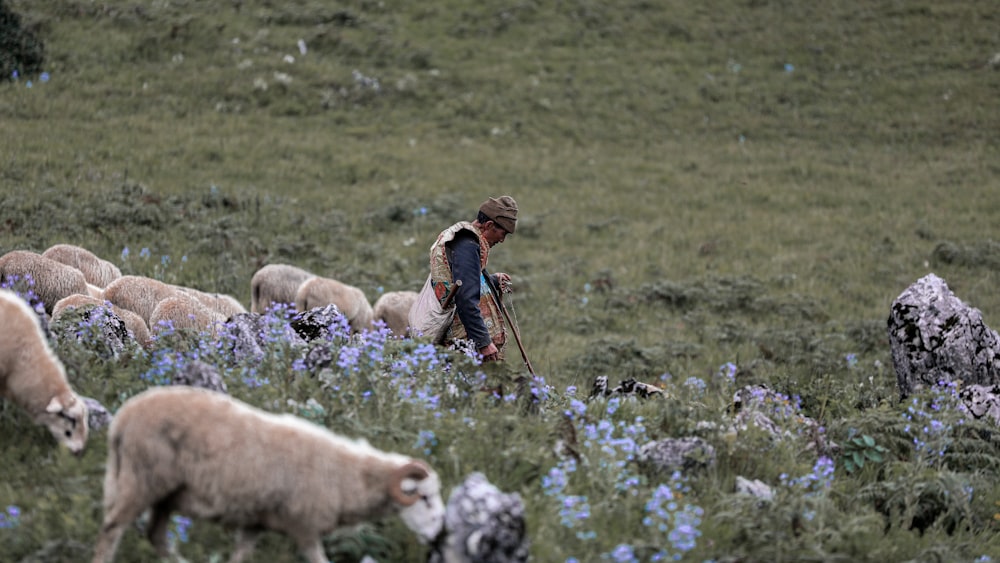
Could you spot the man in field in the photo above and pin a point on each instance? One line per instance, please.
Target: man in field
(460, 253)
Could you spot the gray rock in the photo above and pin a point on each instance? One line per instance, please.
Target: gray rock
(982, 402)
(482, 525)
(98, 328)
(755, 488)
(934, 336)
(199, 374)
(316, 323)
(662, 457)
(98, 417)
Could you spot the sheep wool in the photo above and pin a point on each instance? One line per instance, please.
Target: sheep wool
(275, 284)
(393, 308)
(50, 280)
(96, 270)
(184, 312)
(319, 292)
(226, 306)
(139, 294)
(206, 455)
(32, 377)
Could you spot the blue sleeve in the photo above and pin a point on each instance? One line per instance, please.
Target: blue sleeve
(465, 263)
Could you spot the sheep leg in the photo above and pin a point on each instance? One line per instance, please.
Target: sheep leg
(107, 542)
(312, 550)
(246, 539)
(159, 521)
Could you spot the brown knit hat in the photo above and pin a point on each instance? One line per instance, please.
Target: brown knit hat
(502, 210)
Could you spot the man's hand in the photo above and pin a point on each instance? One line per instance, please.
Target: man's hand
(505, 283)
(490, 353)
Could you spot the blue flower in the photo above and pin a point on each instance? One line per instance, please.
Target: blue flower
(44, 77)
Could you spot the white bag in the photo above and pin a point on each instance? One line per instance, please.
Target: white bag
(427, 317)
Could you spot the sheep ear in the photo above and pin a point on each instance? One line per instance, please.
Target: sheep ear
(54, 406)
(414, 470)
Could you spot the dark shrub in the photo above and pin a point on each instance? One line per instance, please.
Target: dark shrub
(20, 49)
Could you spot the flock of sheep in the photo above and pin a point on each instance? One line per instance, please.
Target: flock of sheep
(161, 460)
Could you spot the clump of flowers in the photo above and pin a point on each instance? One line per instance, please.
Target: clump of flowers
(11, 517)
(817, 481)
(666, 514)
(426, 441)
(179, 529)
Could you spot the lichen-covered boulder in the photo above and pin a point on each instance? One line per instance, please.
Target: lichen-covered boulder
(482, 524)
(98, 417)
(199, 374)
(98, 328)
(321, 322)
(982, 402)
(934, 336)
(755, 488)
(663, 457)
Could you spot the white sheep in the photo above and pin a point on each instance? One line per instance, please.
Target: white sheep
(133, 322)
(225, 305)
(52, 280)
(96, 270)
(184, 312)
(139, 294)
(95, 291)
(32, 377)
(275, 283)
(393, 308)
(351, 301)
(206, 455)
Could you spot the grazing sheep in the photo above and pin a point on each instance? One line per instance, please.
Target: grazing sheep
(207, 455)
(139, 294)
(393, 308)
(32, 377)
(275, 283)
(52, 280)
(133, 322)
(95, 291)
(96, 270)
(226, 305)
(183, 312)
(319, 292)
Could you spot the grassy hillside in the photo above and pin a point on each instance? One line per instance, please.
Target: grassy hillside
(747, 183)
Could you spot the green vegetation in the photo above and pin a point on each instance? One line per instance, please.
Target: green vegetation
(705, 188)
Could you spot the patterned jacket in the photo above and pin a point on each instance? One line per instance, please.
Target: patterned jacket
(442, 279)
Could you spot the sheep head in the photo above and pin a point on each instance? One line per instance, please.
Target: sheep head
(417, 489)
(66, 418)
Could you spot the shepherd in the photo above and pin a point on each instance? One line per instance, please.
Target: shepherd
(458, 261)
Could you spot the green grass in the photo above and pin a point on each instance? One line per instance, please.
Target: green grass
(686, 201)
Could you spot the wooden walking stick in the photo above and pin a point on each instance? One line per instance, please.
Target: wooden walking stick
(513, 327)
